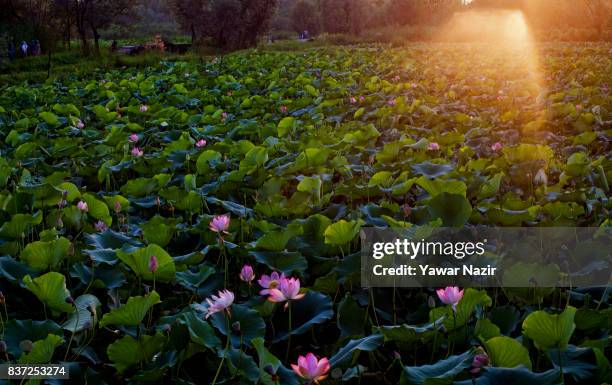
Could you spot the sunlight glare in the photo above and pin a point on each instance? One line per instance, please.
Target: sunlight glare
(504, 32)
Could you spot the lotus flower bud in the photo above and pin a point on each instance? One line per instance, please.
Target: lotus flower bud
(540, 178)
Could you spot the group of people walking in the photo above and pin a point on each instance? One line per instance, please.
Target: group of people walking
(23, 49)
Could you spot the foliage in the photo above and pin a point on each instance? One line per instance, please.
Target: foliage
(232, 24)
(301, 150)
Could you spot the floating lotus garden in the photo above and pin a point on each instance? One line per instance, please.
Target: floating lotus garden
(198, 222)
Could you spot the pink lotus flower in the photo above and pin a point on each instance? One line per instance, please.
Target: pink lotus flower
(361, 99)
(283, 109)
(352, 100)
(247, 274)
(224, 116)
(269, 282)
(289, 289)
(311, 369)
(117, 207)
(497, 146)
(144, 108)
(433, 146)
(392, 102)
(201, 143)
(220, 223)
(82, 205)
(133, 138)
(451, 295)
(80, 125)
(480, 361)
(153, 265)
(220, 302)
(137, 152)
(100, 226)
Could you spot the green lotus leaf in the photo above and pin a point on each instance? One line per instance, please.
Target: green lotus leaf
(50, 289)
(550, 330)
(513, 376)
(158, 230)
(21, 330)
(342, 232)
(128, 351)
(245, 324)
(97, 209)
(453, 209)
(408, 334)
(350, 317)
(19, 223)
(86, 317)
(507, 352)
(345, 354)
(42, 350)
(41, 255)
(277, 240)
(442, 372)
(207, 160)
(138, 261)
(314, 308)
(132, 312)
(286, 126)
(200, 331)
(50, 118)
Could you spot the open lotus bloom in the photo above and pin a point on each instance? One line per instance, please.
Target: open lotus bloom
(450, 295)
(310, 368)
(289, 289)
(271, 281)
(220, 223)
(222, 301)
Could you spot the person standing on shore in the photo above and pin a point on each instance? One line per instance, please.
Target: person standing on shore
(24, 49)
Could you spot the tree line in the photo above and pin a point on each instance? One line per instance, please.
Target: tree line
(237, 24)
(353, 16)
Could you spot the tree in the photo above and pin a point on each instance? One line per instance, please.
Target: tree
(33, 18)
(231, 24)
(192, 15)
(601, 13)
(305, 17)
(94, 15)
(343, 16)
